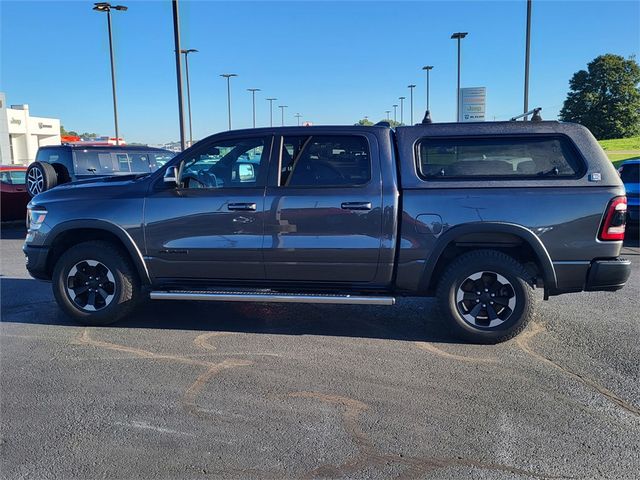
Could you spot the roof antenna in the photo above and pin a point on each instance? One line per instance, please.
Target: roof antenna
(536, 117)
(427, 118)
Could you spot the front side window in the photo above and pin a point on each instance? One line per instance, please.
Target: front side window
(325, 160)
(497, 157)
(230, 163)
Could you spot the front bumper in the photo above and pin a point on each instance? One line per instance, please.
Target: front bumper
(37, 261)
(608, 275)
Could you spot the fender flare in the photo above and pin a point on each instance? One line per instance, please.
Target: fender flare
(118, 231)
(548, 271)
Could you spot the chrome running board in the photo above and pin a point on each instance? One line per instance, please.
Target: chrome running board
(223, 296)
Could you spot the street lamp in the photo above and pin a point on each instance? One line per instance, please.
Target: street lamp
(411, 87)
(228, 77)
(395, 113)
(526, 60)
(186, 68)
(253, 99)
(387, 112)
(282, 107)
(401, 109)
(271, 110)
(427, 68)
(297, 115)
(106, 7)
(458, 36)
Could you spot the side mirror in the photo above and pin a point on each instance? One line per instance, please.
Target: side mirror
(171, 176)
(246, 173)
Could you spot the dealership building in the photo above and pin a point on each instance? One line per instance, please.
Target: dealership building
(21, 134)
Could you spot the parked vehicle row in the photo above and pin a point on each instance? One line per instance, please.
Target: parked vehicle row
(476, 214)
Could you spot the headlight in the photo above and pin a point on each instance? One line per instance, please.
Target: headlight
(35, 218)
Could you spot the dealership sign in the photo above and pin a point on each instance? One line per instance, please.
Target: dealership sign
(472, 103)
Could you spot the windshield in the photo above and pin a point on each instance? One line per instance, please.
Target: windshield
(630, 173)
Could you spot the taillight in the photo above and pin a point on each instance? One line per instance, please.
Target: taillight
(614, 220)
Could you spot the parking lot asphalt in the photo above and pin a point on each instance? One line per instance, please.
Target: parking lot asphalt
(232, 390)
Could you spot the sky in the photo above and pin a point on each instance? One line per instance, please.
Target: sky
(332, 62)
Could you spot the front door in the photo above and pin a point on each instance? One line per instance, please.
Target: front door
(323, 210)
(211, 226)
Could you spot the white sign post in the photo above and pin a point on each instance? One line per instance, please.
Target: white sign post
(472, 104)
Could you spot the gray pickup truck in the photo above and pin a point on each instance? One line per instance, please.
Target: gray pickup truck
(476, 214)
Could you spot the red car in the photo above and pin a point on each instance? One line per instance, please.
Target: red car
(13, 192)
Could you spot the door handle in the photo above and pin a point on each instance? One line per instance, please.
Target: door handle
(241, 206)
(356, 205)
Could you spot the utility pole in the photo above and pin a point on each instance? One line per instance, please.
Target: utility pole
(401, 109)
(176, 40)
(387, 112)
(253, 99)
(297, 115)
(395, 113)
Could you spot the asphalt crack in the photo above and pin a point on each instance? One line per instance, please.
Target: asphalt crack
(536, 328)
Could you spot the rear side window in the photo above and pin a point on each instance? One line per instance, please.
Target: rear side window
(325, 160)
(518, 157)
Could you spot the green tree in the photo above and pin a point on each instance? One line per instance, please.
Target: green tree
(605, 98)
(64, 132)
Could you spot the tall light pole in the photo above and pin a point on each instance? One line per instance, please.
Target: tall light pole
(176, 42)
(297, 115)
(186, 69)
(106, 7)
(395, 113)
(427, 68)
(228, 77)
(253, 99)
(387, 112)
(401, 109)
(526, 60)
(458, 36)
(411, 87)
(282, 107)
(271, 110)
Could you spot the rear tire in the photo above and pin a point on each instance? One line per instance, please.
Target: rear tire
(40, 178)
(486, 296)
(95, 283)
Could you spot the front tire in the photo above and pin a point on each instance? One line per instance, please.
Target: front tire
(95, 283)
(486, 296)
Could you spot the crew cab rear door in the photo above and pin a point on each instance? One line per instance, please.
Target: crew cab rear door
(323, 208)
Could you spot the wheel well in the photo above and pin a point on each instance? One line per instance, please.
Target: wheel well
(69, 238)
(507, 243)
